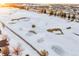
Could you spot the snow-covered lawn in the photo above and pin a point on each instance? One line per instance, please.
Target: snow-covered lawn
(66, 44)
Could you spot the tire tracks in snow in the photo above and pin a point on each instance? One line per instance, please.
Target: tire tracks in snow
(22, 38)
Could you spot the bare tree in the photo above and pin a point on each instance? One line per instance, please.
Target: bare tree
(17, 50)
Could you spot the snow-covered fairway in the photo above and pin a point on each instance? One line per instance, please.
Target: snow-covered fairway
(66, 44)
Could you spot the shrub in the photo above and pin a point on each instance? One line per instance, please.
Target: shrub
(17, 50)
(33, 26)
(5, 51)
(44, 53)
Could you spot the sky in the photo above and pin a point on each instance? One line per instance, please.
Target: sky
(41, 1)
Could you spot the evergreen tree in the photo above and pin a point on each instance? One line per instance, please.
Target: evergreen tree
(64, 15)
(73, 17)
(51, 12)
(68, 16)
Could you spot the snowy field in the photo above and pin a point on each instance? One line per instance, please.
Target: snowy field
(21, 21)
